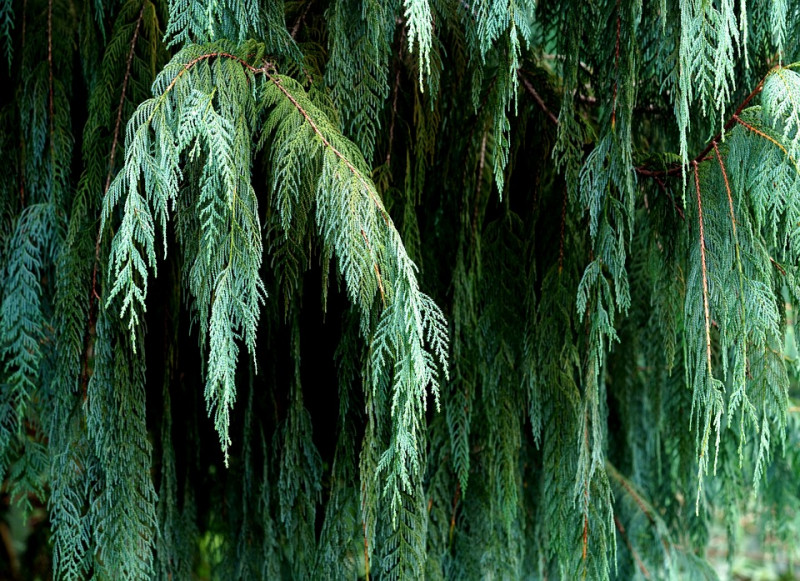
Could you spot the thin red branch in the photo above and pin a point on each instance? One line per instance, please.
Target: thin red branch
(778, 266)
(663, 186)
(94, 296)
(301, 18)
(481, 163)
(50, 67)
(394, 114)
(561, 235)
(115, 139)
(366, 550)
(456, 498)
(616, 73)
(760, 133)
(122, 98)
(537, 98)
(735, 235)
(636, 558)
(703, 266)
(703, 155)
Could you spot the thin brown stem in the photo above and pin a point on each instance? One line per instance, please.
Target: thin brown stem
(475, 205)
(121, 105)
(728, 192)
(703, 155)
(636, 558)
(366, 550)
(772, 140)
(301, 18)
(115, 140)
(94, 296)
(536, 97)
(733, 226)
(561, 235)
(456, 498)
(50, 67)
(703, 266)
(616, 73)
(778, 266)
(395, 90)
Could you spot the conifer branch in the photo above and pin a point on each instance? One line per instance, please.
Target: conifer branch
(561, 233)
(703, 155)
(276, 81)
(395, 91)
(125, 79)
(735, 234)
(301, 18)
(50, 106)
(94, 296)
(636, 557)
(537, 98)
(616, 71)
(703, 266)
(772, 140)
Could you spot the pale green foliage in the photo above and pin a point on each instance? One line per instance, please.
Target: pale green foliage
(224, 279)
(420, 31)
(358, 74)
(209, 20)
(6, 26)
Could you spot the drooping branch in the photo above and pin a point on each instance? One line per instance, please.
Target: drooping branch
(675, 169)
(733, 226)
(50, 69)
(537, 98)
(703, 265)
(94, 296)
(562, 233)
(635, 555)
(616, 72)
(125, 80)
(772, 140)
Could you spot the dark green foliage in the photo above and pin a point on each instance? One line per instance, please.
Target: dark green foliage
(555, 247)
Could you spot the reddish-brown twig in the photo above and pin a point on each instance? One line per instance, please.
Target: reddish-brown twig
(703, 266)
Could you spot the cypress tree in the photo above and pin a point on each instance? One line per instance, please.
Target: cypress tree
(397, 289)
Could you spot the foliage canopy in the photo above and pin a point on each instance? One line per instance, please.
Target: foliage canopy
(556, 247)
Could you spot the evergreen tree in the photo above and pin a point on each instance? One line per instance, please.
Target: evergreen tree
(447, 289)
